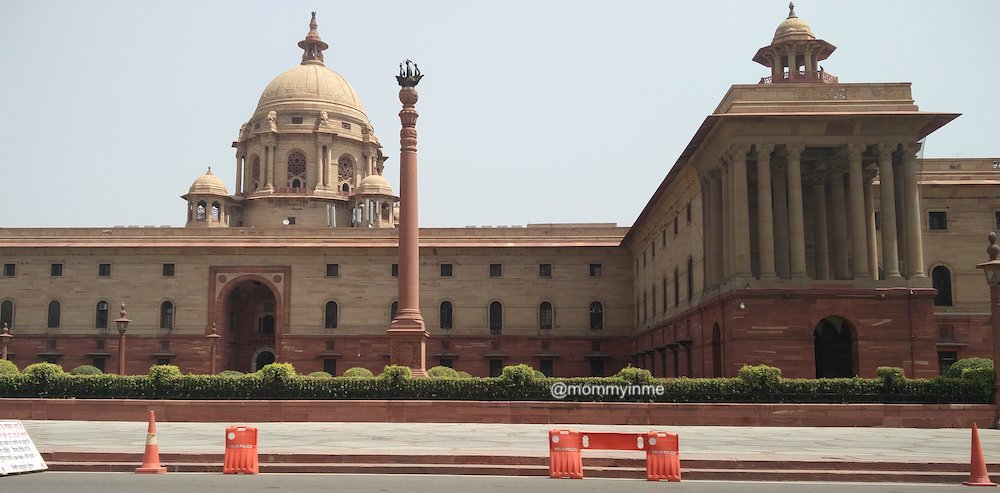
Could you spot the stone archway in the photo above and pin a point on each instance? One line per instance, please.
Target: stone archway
(262, 357)
(250, 310)
(835, 347)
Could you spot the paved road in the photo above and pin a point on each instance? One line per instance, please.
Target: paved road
(48, 482)
(525, 440)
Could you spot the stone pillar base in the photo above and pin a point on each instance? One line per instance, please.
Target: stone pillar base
(408, 345)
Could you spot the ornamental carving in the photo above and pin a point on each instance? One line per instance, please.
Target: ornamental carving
(345, 169)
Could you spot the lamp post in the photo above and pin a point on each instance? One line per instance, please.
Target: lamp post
(212, 339)
(992, 270)
(122, 324)
(4, 340)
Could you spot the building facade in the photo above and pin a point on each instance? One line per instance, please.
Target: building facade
(800, 228)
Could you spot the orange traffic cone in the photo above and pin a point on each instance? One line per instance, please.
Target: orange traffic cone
(978, 475)
(151, 458)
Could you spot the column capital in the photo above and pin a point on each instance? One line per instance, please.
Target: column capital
(817, 179)
(837, 166)
(795, 149)
(855, 150)
(911, 149)
(739, 149)
(764, 149)
(869, 174)
(885, 151)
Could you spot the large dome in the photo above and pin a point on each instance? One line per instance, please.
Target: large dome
(311, 86)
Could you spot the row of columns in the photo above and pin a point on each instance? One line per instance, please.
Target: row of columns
(781, 221)
(656, 360)
(325, 176)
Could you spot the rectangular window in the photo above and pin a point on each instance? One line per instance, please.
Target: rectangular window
(446, 362)
(597, 367)
(289, 221)
(168, 270)
(545, 366)
(8, 270)
(330, 366)
(447, 270)
(544, 270)
(596, 270)
(675, 224)
(163, 361)
(945, 360)
(104, 270)
(98, 363)
(496, 367)
(937, 220)
(496, 270)
(688, 213)
(332, 270)
(296, 120)
(394, 270)
(996, 219)
(663, 241)
(55, 270)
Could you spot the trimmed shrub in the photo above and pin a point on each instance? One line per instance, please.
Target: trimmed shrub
(442, 372)
(86, 370)
(760, 377)
(8, 367)
(319, 374)
(395, 373)
(893, 379)
(957, 368)
(358, 372)
(43, 371)
(163, 372)
(230, 373)
(277, 372)
(517, 375)
(635, 376)
(462, 374)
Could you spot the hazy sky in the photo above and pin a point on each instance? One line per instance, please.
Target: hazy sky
(531, 111)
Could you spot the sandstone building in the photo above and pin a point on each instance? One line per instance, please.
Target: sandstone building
(799, 228)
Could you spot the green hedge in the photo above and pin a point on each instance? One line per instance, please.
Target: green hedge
(279, 381)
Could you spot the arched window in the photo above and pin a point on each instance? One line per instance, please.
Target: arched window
(54, 314)
(645, 306)
(652, 299)
(446, 315)
(690, 278)
(200, 211)
(166, 315)
(941, 280)
(101, 315)
(297, 169)
(7, 313)
(677, 287)
(255, 171)
(215, 211)
(496, 318)
(330, 315)
(345, 169)
(545, 315)
(596, 315)
(266, 325)
(393, 309)
(346, 188)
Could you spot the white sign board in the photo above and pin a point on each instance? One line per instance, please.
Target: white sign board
(17, 451)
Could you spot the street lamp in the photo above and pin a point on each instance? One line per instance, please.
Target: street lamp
(4, 340)
(992, 270)
(212, 339)
(122, 324)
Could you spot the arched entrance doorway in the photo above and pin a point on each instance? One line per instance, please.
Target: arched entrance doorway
(833, 342)
(262, 358)
(250, 314)
(716, 351)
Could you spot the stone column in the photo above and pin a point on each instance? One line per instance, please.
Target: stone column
(269, 168)
(793, 68)
(859, 236)
(407, 334)
(841, 269)
(727, 235)
(717, 212)
(887, 215)
(741, 212)
(779, 181)
(329, 169)
(900, 219)
(765, 217)
(239, 174)
(870, 234)
(796, 223)
(914, 246)
(822, 233)
(317, 175)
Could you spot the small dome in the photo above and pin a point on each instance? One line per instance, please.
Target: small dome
(374, 185)
(792, 28)
(208, 184)
(311, 86)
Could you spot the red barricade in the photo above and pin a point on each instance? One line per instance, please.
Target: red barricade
(662, 452)
(564, 454)
(662, 456)
(241, 451)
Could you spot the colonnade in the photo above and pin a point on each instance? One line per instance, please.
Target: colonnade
(833, 191)
(323, 175)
